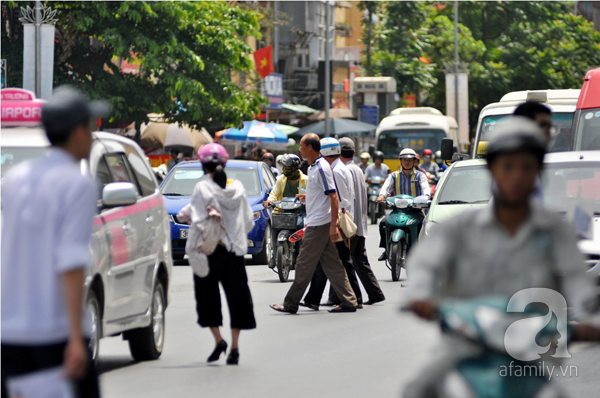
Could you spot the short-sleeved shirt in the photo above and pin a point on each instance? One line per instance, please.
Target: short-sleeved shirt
(320, 185)
(47, 211)
(344, 187)
(373, 171)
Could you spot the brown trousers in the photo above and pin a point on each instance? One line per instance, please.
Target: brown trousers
(317, 246)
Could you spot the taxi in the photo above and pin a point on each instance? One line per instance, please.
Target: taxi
(127, 281)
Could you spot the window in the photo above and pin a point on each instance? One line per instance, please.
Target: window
(140, 168)
(120, 169)
(267, 176)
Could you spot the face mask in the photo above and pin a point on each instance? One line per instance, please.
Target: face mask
(292, 174)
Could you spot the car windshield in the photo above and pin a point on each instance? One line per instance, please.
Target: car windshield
(561, 129)
(393, 141)
(566, 185)
(465, 185)
(182, 180)
(12, 156)
(588, 131)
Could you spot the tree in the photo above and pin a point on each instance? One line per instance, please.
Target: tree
(186, 52)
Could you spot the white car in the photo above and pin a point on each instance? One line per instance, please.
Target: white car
(127, 283)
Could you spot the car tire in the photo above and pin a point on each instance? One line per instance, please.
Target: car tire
(93, 305)
(283, 268)
(147, 343)
(265, 254)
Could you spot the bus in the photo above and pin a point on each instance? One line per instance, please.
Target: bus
(562, 103)
(416, 128)
(586, 126)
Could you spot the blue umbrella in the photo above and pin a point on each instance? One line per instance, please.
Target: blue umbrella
(255, 131)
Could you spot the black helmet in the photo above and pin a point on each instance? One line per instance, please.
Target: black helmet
(268, 156)
(291, 161)
(378, 155)
(517, 134)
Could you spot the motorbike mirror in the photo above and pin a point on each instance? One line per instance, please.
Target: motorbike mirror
(422, 202)
(447, 148)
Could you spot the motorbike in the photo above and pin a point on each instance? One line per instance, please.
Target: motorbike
(375, 210)
(492, 372)
(402, 230)
(286, 224)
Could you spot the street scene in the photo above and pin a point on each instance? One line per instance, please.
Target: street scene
(300, 198)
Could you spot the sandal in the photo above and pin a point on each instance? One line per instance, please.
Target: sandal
(281, 308)
(309, 305)
(339, 308)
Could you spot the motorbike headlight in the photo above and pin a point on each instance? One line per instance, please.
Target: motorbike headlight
(429, 226)
(288, 205)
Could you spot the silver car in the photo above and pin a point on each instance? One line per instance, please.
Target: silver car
(127, 284)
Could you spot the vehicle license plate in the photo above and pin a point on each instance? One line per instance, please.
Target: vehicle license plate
(183, 233)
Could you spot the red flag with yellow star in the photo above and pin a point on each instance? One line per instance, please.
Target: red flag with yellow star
(264, 61)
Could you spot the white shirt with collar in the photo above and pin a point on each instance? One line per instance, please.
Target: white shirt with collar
(360, 199)
(47, 212)
(473, 255)
(345, 186)
(320, 184)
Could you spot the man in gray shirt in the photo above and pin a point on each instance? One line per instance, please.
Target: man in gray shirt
(379, 168)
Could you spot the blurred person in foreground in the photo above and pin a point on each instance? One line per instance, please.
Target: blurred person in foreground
(48, 206)
(510, 245)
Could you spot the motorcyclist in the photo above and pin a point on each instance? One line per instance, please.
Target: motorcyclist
(269, 159)
(378, 168)
(439, 161)
(365, 161)
(406, 181)
(427, 165)
(501, 249)
(288, 185)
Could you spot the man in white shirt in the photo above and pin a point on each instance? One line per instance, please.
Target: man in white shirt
(321, 233)
(47, 212)
(378, 168)
(331, 150)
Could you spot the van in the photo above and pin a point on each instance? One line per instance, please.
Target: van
(586, 125)
(562, 103)
(416, 128)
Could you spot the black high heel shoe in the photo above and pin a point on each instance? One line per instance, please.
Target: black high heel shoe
(219, 348)
(234, 357)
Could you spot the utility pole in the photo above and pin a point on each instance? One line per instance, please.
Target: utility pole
(456, 60)
(327, 69)
(275, 37)
(38, 49)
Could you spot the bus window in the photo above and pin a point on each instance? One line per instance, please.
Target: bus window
(391, 142)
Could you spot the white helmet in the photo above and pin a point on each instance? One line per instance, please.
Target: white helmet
(408, 153)
(330, 147)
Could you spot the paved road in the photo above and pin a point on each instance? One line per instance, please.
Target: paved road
(373, 352)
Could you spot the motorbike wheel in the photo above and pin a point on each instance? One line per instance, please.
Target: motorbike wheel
(373, 210)
(283, 268)
(397, 259)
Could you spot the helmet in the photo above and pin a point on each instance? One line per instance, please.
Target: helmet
(330, 147)
(365, 155)
(212, 153)
(427, 152)
(279, 158)
(268, 156)
(291, 161)
(378, 155)
(408, 153)
(517, 134)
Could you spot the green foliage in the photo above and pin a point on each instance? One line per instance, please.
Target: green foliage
(186, 51)
(504, 46)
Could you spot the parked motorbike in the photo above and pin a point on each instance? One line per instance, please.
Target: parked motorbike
(492, 372)
(285, 224)
(402, 230)
(375, 210)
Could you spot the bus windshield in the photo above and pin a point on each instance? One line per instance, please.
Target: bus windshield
(561, 129)
(588, 130)
(393, 141)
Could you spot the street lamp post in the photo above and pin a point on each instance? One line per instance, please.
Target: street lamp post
(456, 60)
(327, 69)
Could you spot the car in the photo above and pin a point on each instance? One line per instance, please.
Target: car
(257, 179)
(127, 281)
(463, 185)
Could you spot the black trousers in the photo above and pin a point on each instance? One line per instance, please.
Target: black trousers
(21, 359)
(360, 261)
(383, 224)
(229, 269)
(319, 279)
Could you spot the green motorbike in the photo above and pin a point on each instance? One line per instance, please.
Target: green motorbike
(402, 230)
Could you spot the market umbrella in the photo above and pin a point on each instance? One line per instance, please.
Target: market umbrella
(157, 135)
(284, 128)
(255, 131)
(337, 127)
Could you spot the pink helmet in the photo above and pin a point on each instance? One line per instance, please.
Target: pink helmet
(212, 153)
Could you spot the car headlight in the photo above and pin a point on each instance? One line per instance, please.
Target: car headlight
(429, 226)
